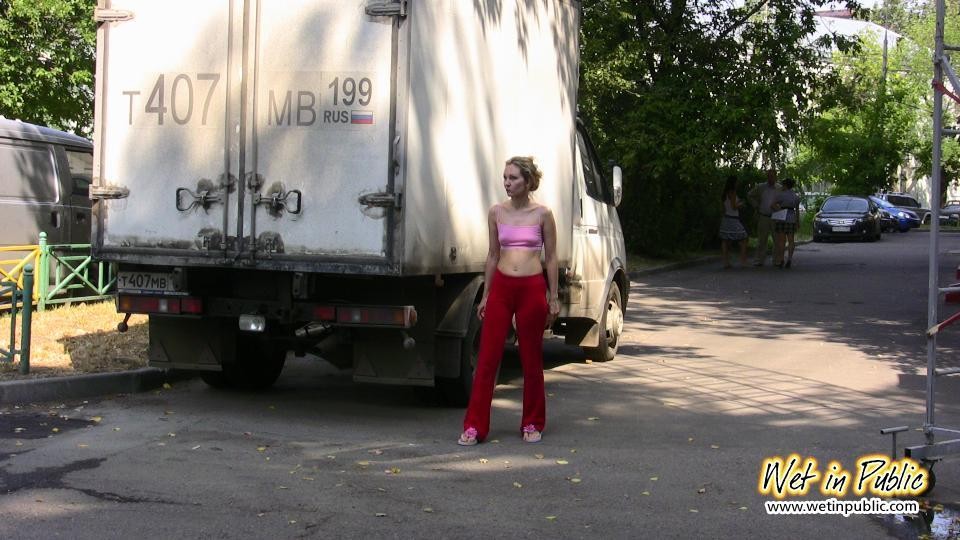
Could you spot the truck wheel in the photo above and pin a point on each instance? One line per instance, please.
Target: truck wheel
(611, 326)
(258, 365)
(215, 379)
(455, 391)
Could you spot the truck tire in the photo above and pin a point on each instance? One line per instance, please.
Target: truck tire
(258, 365)
(455, 391)
(215, 379)
(611, 326)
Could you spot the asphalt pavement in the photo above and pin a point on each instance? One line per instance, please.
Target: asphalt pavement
(718, 370)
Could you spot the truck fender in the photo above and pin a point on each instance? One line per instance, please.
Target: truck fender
(454, 321)
(616, 273)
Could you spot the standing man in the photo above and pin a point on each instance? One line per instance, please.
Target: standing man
(762, 197)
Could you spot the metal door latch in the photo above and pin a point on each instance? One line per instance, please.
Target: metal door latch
(206, 195)
(387, 9)
(380, 200)
(277, 200)
(108, 192)
(102, 15)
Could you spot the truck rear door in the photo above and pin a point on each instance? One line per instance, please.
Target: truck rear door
(322, 130)
(244, 130)
(166, 165)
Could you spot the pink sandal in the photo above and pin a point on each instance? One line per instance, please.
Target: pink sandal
(468, 437)
(530, 434)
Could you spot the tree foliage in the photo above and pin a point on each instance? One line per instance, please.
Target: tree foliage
(682, 92)
(47, 62)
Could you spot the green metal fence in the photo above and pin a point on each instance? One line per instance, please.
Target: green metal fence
(20, 301)
(65, 273)
(68, 273)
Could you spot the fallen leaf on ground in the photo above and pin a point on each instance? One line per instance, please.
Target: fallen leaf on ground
(293, 522)
(562, 462)
(573, 450)
(166, 386)
(743, 508)
(261, 449)
(171, 435)
(714, 446)
(55, 430)
(654, 478)
(647, 493)
(589, 361)
(381, 490)
(197, 447)
(538, 456)
(19, 443)
(495, 441)
(96, 419)
(701, 490)
(575, 480)
(116, 429)
(375, 452)
(308, 478)
(551, 518)
(517, 485)
(428, 510)
(593, 418)
(282, 487)
(484, 460)
(363, 464)
(694, 511)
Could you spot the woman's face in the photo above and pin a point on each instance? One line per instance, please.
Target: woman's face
(513, 181)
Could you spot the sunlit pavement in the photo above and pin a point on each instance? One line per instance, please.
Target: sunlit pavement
(718, 370)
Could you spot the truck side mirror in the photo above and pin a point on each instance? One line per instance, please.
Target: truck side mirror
(617, 185)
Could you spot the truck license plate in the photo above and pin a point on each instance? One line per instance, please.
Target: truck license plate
(841, 229)
(146, 282)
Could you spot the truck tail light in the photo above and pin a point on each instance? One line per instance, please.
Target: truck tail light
(127, 303)
(398, 317)
(324, 313)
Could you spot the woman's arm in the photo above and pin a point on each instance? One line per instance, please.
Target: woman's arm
(550, 256)
(493, 258)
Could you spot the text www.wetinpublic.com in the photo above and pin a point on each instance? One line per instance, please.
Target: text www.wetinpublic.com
(872, 506)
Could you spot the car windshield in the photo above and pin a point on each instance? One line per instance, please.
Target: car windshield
(844, 204)
(881, 203)
(903, 200)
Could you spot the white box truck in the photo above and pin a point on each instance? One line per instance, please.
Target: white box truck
(275, 176)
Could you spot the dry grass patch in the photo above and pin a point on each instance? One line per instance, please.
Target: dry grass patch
(78, 339)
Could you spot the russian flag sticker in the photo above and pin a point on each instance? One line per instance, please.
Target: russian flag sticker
(361, 117)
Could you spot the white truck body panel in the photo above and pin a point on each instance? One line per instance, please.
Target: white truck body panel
(254, 97)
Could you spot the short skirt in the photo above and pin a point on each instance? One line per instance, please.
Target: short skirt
(786, 227)
(732, 229)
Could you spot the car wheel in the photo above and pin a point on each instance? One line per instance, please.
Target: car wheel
(611, 327)
(817, 238)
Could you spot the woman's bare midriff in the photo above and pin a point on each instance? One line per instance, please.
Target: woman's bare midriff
(519, 262)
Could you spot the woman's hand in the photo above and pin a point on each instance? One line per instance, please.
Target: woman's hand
(553, 306)
(482, 308)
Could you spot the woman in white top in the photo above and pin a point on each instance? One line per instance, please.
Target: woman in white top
(731, 230)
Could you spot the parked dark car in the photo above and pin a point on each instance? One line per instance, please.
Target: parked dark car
(894, 218)
(950, 213)
(903, 200)
(44, 185)
(847, 216)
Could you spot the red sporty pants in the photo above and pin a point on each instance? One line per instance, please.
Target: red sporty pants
(525, 297)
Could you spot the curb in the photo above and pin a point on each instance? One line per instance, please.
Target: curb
(90, 385)
(634, 274)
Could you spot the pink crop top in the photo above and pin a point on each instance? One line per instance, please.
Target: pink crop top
(520, 236)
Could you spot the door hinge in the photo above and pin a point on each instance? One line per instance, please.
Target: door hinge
(102, 15)
(380, 200)
(108, 192)
(387, 9)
